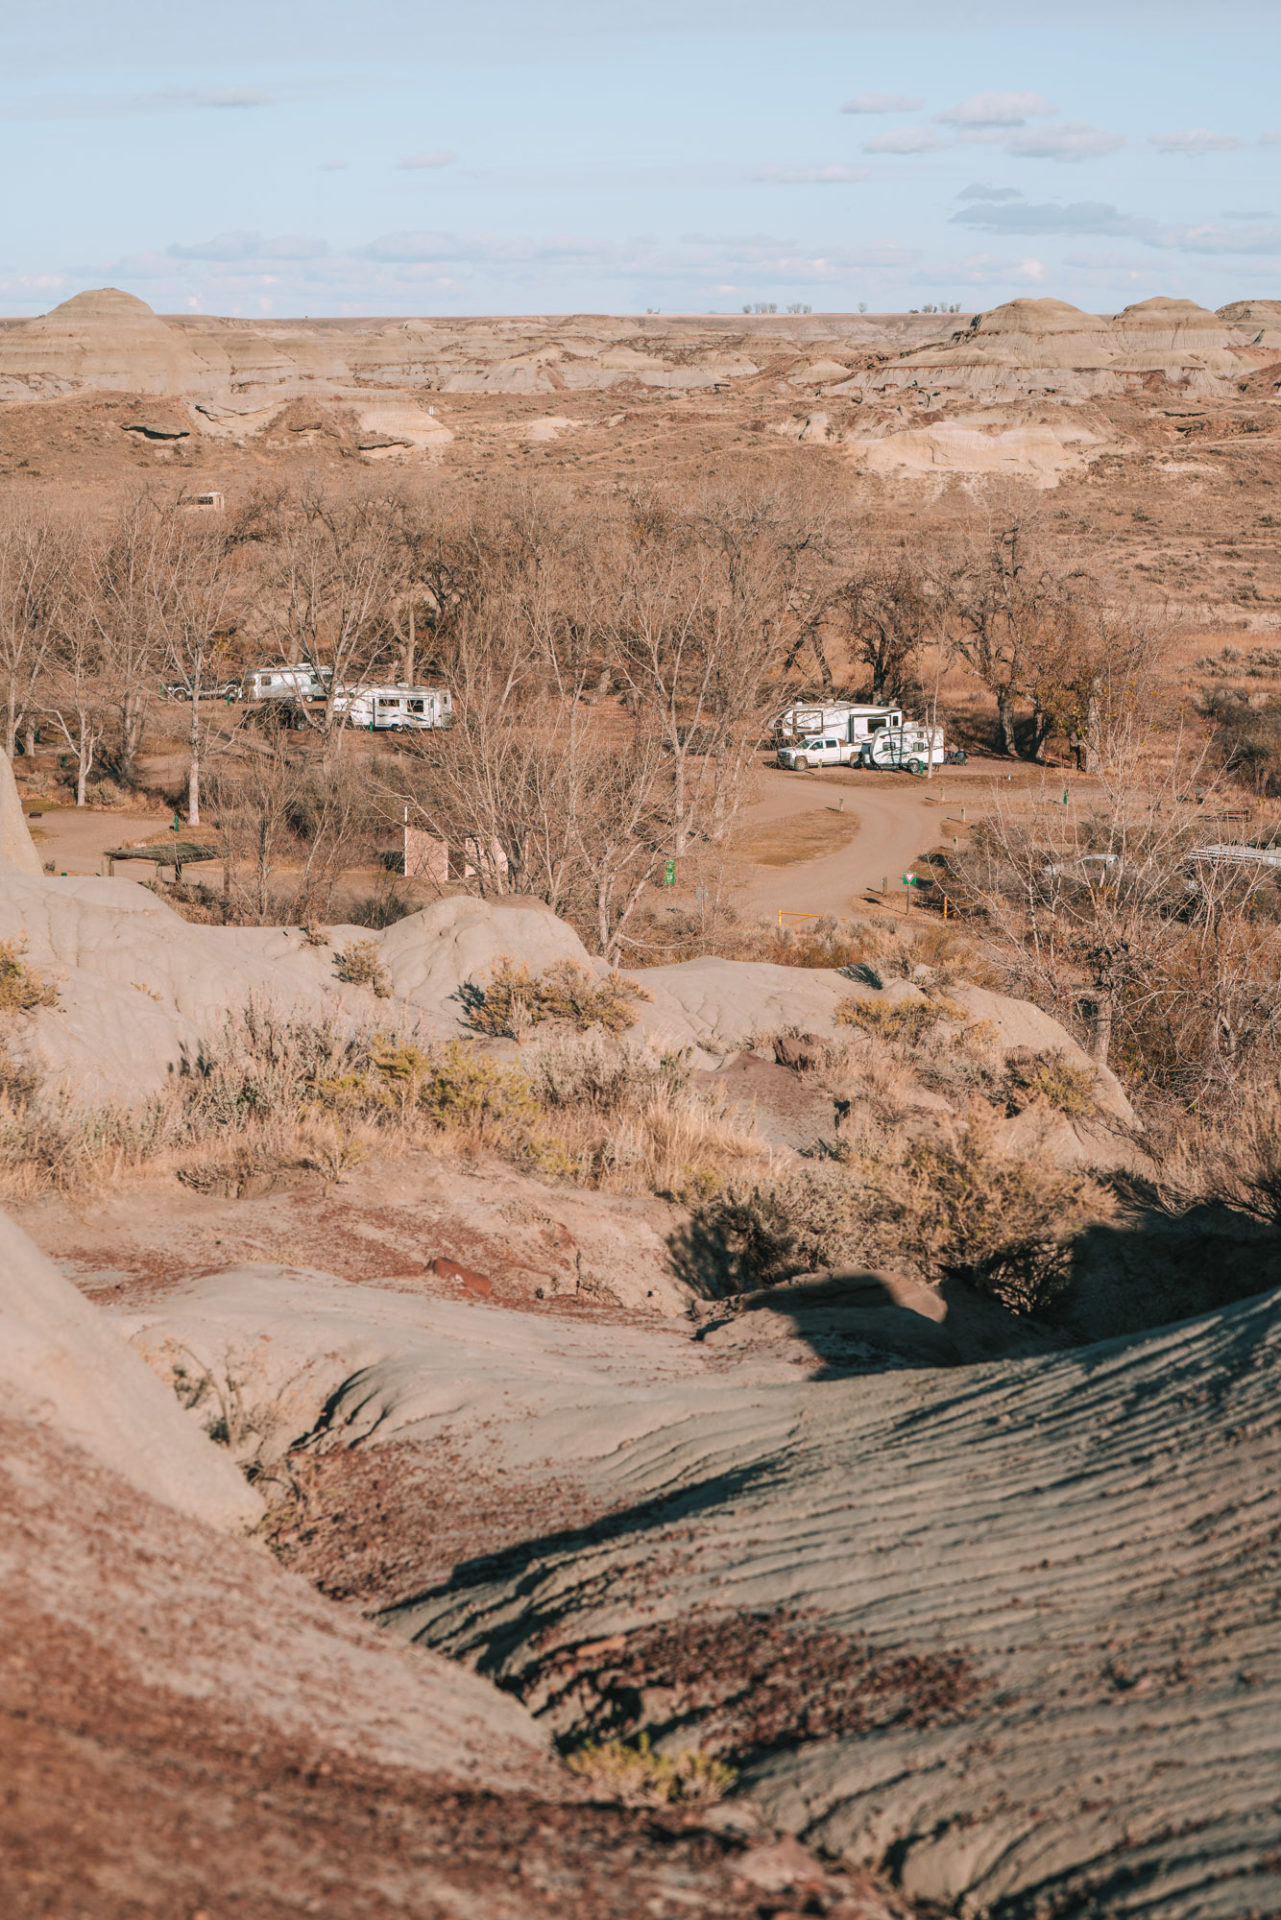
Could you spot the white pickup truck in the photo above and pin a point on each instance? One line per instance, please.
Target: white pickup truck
(822, 750)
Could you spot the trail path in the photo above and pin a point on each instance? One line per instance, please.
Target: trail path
(899, 818)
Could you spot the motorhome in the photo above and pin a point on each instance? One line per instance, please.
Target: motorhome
(284, 683)
(394, 709)
(841, 719)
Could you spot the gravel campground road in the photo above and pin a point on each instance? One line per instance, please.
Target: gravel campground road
(886, 823)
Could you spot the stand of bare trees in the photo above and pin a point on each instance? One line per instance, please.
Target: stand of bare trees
(1166, 957)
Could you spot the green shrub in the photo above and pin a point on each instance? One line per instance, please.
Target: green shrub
(513, 999)
(22, 989)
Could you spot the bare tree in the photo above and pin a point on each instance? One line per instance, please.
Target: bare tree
(1004, 599)
(79, 691)
(331, 576)
(33, 585)
(190, 587)
(889, 610)
(1132, 923)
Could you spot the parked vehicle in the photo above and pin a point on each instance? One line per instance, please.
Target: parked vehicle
(393, 709)
(822, 750)
(913, 748)
(844, 720)
(285, 683)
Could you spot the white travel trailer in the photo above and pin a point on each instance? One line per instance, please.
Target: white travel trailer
(283, 683)
(913, 747)
(394, 709)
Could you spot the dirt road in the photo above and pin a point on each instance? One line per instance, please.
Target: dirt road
(76, 838)
(888, 820)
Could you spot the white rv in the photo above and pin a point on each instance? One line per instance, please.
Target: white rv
(845, 721)
(283, 683)
(395, 709)
(913, 747)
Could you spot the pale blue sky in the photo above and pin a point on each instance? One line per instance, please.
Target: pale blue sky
(514, 156)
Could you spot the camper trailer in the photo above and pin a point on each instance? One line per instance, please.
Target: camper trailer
(283, 683)
(395, 709)
(840, 720)
(912, 747)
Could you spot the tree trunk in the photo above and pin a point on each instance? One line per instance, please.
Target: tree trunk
(29, 739)
(11, 727)
(1099, 1010)
(1005, 722)
(410, 650)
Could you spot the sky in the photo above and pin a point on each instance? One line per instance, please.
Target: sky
(293, 157)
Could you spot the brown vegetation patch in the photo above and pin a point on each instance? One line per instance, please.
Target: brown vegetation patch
(748, 1684)
(807, 836)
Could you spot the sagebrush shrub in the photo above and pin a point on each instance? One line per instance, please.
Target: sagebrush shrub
(907, 1021)
(360, 965)
(1051, 1078)
(22, 989)
(512, 999)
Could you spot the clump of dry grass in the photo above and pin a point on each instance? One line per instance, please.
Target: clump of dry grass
(1050, 1078)
(958, 1203)
(22, 989)
(360, 965)
(904, 1021)
(513, 1000)
(639, 1777)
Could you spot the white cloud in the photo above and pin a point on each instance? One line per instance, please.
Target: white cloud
(87, 106)
(882, 103)
(440, 157)
(996, 110)
(1193, 140)
(1209, 237)
(1270, 139)
(1068, 140)
(333, 166)
(810, 176)
(980, 192)
(244, 245)
(907, 140)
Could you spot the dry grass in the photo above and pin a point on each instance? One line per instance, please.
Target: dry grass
(22, 989)
(270, 1094)
(513, 1000)
(904, 1021)
(957, 1203)
(639, 1777)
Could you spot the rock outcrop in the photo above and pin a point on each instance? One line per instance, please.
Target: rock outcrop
(1008, 1632)
(139, 988)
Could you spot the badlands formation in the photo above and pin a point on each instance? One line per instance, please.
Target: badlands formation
(1035, 390)
(984, 1622)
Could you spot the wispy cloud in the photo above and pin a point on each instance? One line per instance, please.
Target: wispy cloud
(88, 106)
(1069, 140)
(980, 192)
(244, 245)
(333, 166)
(1194, 140)
(907, 140)
(439, 157)
(995, 110)
(882, 103)
(1046, 217)
(1023, 218)
(811, 176)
